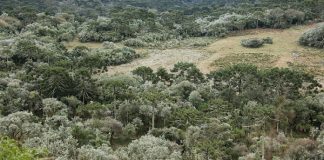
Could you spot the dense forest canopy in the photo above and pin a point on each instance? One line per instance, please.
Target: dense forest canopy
(59, 102)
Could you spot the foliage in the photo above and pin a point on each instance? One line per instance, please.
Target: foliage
(313, 37)
(59, 102)
(116, 56)
(252, 43)
(9, 149)
(19, 126)
(149, 147)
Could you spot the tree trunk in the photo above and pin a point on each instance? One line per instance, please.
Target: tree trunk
(153, 119)
(111, 138)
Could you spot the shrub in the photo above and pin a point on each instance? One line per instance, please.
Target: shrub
(313, 37)
(108, 45)
(9, 149)
(267, 40)
(252, 43)
(116, 56)
(134, 42)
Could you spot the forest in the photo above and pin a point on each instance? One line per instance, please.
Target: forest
(63, 103)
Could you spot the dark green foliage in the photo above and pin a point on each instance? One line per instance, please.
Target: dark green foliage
(268, 40)
(185, 117)
(252, 43)
(247, 80)
(188, 71)
(85, 86)
(171, 134)
(146, 73)
(56, 82)
(26, 49)
(163, 75)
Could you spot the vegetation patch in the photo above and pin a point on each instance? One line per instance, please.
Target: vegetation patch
(259, 59)
(252, 43)
(313, 37)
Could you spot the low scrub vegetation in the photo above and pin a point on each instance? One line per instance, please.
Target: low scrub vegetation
(259, 59)
(252, 43)
(256, 42)
(313, 37)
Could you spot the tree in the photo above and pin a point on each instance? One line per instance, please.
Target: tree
(146, 73)
(149, 147)
(103, 152)
(313, 37)
(210, 141)
(163, 75)
(26, 49)
(154, 104)
(56, 82)
(195, 98)
(86, 88)
(109, 127)
(93, 110)
(57, 142)
(72, 103)
(117, 88)
(235, 79)
(288, 83)
(188, 71)
(20, 126)
(183, 89)
(276, 18)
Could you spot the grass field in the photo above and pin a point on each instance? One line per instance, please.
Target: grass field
(284, 52)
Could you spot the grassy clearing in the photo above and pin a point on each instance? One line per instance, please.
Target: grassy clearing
(210, 53)
(284, 52)
(76, 42)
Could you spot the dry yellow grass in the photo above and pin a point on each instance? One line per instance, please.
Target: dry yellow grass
(3, 23)
(284, 52)
(285, 47)
(76, 42)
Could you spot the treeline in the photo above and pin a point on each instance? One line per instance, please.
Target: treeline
(95, 21)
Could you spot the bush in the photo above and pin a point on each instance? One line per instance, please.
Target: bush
(267, 40)
(313, 37)
(134, 42)
(108, 45)
(116, 56)
(9, 149)
(252, 43)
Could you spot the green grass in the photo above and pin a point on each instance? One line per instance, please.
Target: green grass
(259, 59)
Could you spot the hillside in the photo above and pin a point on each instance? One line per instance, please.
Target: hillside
(161, 80)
